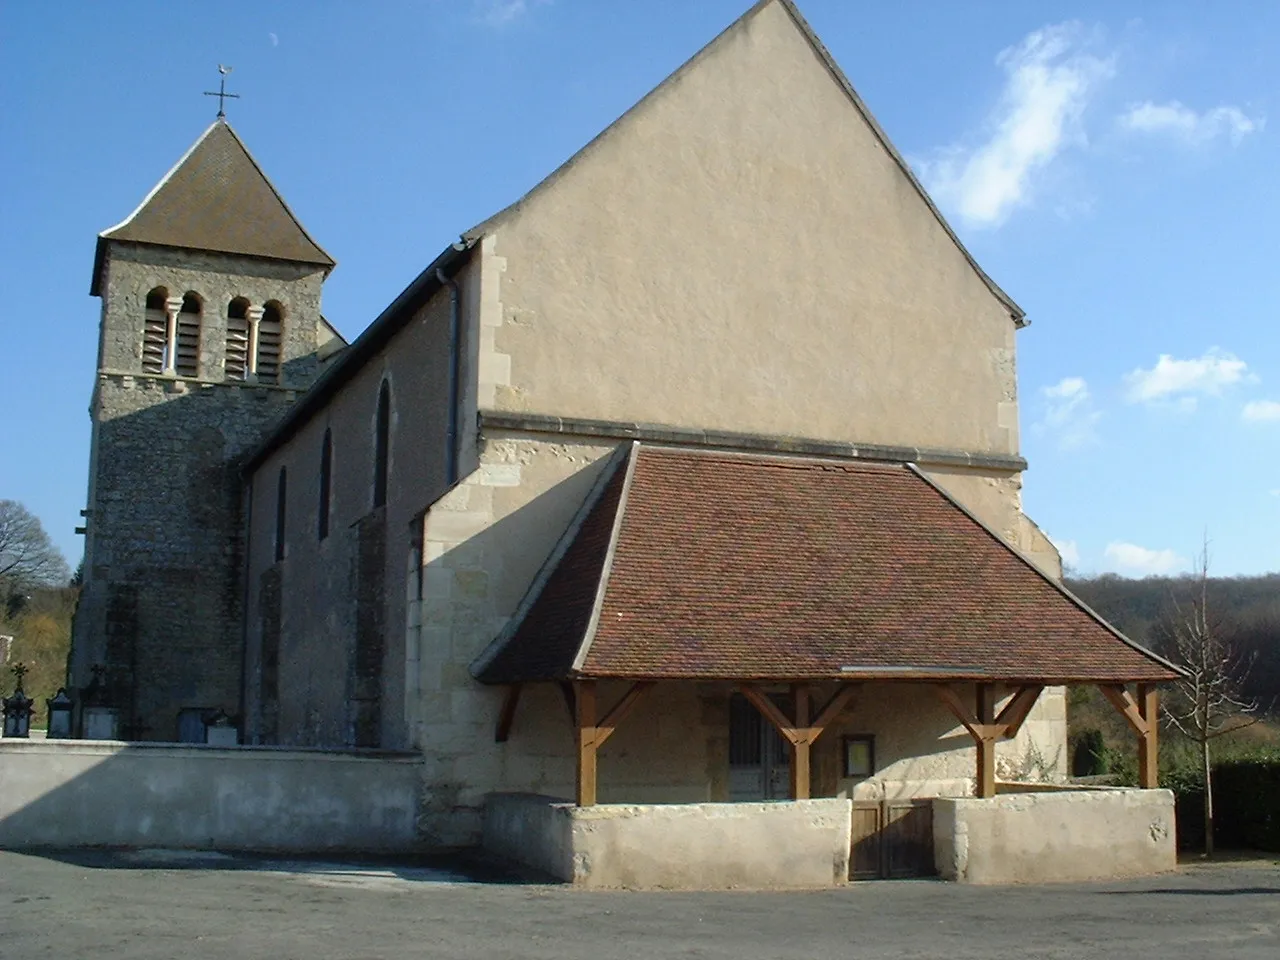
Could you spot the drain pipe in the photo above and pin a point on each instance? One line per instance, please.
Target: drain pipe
(455, 362)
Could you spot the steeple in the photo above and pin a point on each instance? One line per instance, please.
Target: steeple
(216, 199)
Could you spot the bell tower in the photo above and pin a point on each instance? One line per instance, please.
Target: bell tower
(210, 327)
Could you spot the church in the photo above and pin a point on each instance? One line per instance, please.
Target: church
(692, 477)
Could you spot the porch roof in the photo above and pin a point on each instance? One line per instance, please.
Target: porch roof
(701, 564)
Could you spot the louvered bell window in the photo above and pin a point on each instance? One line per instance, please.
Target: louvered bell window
(270, 333)
(155, 332)
(237, 365)
(187, 362)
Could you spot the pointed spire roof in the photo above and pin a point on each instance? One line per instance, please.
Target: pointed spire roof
(217, 198)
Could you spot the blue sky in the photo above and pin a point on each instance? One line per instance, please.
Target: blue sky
(1111, 165)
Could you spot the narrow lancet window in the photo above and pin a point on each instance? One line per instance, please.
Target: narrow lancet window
(282, 491)
(326, 483)
(237, 365)
(382, 445)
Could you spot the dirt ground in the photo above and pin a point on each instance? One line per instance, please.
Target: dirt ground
(166, 904)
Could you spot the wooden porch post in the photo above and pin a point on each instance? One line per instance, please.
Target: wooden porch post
(1148, 742)
(591, 734)
(804, 730)
(800, 752)
(986, 728)
(585, 700)
(1144, 719)
(986, 713)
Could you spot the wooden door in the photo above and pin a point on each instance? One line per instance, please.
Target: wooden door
(908, 838)
(759, 759)
(891, 839)
(865, 856)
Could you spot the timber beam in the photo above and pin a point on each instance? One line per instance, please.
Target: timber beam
(590, 733)
(1143, 716)
(507, 715)
(986, 728)
(804, 730)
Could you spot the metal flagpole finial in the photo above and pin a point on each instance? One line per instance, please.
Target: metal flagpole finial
(222, 94)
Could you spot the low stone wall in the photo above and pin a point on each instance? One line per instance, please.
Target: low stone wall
(687, 846)
(100, 793)
(1062, 835)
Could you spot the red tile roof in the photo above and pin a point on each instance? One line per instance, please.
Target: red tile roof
(694, 564)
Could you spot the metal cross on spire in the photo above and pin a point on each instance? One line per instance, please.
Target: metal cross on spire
(222, 94)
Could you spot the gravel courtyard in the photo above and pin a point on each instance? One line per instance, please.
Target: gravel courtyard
(166, 904)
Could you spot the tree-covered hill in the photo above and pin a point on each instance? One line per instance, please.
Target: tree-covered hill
(1247, 609)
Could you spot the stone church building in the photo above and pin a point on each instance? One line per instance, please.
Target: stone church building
(710, 439)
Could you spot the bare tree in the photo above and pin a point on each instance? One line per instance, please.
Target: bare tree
(1207, 702)
(28, 557)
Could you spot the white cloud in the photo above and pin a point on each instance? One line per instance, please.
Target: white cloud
(1069, 413)
(1261, 411)
(1186, 124)
(275, 41)
(1069, 550)
(1184, 380)
(1050, 77)
(1131, 558)
(498, 13)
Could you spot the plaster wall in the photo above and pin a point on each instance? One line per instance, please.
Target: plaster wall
(741, 252)
(1056, 836)
(922, 751)
(675, 846)
(86, 793)
(323, 582)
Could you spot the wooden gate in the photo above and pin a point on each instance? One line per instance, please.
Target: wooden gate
(892, 839)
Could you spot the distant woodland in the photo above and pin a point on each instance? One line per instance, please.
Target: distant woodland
(1245, 609)
(40, 624)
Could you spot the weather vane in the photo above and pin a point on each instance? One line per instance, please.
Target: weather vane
(222, 94)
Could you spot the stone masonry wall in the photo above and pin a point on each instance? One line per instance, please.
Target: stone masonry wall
(163, 595)
(341, 669)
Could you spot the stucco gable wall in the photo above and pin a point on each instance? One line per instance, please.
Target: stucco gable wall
(741, 252)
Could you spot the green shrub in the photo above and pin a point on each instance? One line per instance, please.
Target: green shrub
(1246, 795)
(1246, 802)
(1088, 754)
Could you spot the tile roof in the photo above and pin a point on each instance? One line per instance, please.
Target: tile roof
(217, 198)
(724, 565)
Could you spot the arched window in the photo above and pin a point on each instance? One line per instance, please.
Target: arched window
(282, 492)
(155, 331)
(187, 342)
(237, 365)
(270, 334)
(382, 445)
(326, 482)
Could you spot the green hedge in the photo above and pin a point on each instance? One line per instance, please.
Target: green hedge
(1246, 804)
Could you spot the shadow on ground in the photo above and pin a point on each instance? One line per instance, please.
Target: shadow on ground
(464, 867)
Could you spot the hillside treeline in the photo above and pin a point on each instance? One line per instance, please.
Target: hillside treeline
(1245, 609)
(40, 624)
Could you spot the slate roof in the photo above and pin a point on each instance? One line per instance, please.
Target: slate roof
(217, 198)
(694, 564)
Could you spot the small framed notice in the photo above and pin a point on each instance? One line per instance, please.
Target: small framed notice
(859, 756)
